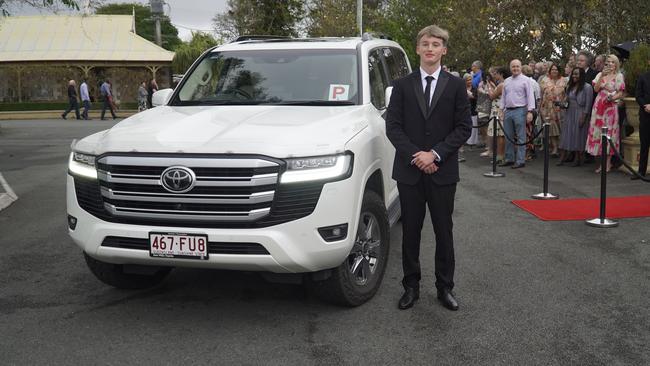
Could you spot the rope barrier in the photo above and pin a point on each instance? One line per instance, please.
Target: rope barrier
(484, 124)
(494, 173)
(620, 158)
(532, 139)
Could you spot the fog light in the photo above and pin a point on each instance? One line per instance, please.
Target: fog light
(72, 222)
(334, 233)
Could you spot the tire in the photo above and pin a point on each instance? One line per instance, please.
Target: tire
(358, 278)
(114, 274)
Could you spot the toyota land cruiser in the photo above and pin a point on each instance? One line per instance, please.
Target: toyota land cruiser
(270, 155)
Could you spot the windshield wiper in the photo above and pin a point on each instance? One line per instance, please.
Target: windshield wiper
(315, 102)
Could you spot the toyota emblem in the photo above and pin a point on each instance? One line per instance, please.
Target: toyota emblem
(178, 179)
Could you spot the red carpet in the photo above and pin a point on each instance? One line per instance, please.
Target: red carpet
(586, 208)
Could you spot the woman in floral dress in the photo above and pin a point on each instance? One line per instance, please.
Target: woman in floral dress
(553, 92)
(610, 86)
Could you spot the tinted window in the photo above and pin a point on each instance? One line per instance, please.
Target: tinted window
(378, 82)
(396, 62)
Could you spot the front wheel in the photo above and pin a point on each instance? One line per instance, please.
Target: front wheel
(116, 276)
(358, 278)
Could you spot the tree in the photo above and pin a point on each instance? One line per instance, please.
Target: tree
(186, 53)
(333, 18)
(260, 17)
(338, 18)
(145, 26)
(43, 4)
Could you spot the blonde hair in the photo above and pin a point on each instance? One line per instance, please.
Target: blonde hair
(433, 31)
(615, 59)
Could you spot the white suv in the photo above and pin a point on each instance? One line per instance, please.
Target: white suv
(270, 155)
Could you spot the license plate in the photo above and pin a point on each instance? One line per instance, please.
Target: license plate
(177, 245)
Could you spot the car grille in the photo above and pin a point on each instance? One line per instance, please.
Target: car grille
(213, 247)
(230, 192)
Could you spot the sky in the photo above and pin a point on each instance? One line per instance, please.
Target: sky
(186, 15)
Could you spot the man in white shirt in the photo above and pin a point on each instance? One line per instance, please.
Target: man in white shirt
(85, 99)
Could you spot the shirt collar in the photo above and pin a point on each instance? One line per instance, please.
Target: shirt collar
(423, 74)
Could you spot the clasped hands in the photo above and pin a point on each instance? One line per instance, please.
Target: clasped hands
(425, 161)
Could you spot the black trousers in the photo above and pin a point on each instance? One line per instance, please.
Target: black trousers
(72, 104)
(644, 135)
(414, 200)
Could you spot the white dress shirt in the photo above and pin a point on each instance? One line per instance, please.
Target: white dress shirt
(434, 82)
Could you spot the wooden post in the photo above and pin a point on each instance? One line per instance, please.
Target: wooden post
(154, 70)
(86, 69)
(19, 72)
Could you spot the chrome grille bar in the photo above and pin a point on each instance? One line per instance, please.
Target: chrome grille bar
(187, 215)
(234, 162)
(258, 197)
(254, 181)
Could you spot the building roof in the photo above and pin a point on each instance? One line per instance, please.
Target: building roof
(75, 38)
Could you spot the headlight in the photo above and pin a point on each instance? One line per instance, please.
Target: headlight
(82, 165)
(330, 167)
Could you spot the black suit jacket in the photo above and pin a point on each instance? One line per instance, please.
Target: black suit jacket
(642, 91)
(444, 129)
(590, 75)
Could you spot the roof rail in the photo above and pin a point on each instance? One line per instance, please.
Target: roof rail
(367, 36)
(258, 38)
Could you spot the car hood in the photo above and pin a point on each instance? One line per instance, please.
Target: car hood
(278, 131)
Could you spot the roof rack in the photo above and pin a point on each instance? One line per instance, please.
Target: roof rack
(258, 38)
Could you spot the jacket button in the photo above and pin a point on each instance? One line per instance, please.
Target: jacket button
(427, 133)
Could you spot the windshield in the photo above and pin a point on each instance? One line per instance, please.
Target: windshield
(292, 77)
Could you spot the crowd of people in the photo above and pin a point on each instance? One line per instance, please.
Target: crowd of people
(145, 92)
(576, 101)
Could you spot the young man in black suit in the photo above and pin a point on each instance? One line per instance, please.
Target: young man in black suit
(428, 120)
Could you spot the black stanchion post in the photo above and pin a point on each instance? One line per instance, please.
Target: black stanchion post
(602, 221)
(545, 195)
(494, 173)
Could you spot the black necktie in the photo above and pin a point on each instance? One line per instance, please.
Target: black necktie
(427, 91)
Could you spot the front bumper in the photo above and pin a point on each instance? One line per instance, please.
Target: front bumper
(293, 247)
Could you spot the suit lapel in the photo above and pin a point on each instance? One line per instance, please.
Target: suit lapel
(440, 87)
(416, 81)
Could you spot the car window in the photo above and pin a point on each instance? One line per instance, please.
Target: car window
(273, 77)
(396, 63)
(378, 79)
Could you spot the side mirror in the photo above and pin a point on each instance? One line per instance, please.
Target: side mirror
(388, 93)
(161, 97)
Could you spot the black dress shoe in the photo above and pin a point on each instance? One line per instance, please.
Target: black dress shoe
(409, 298)
(447, 300)
(636, 177)
(518, 165)
(507, 163)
